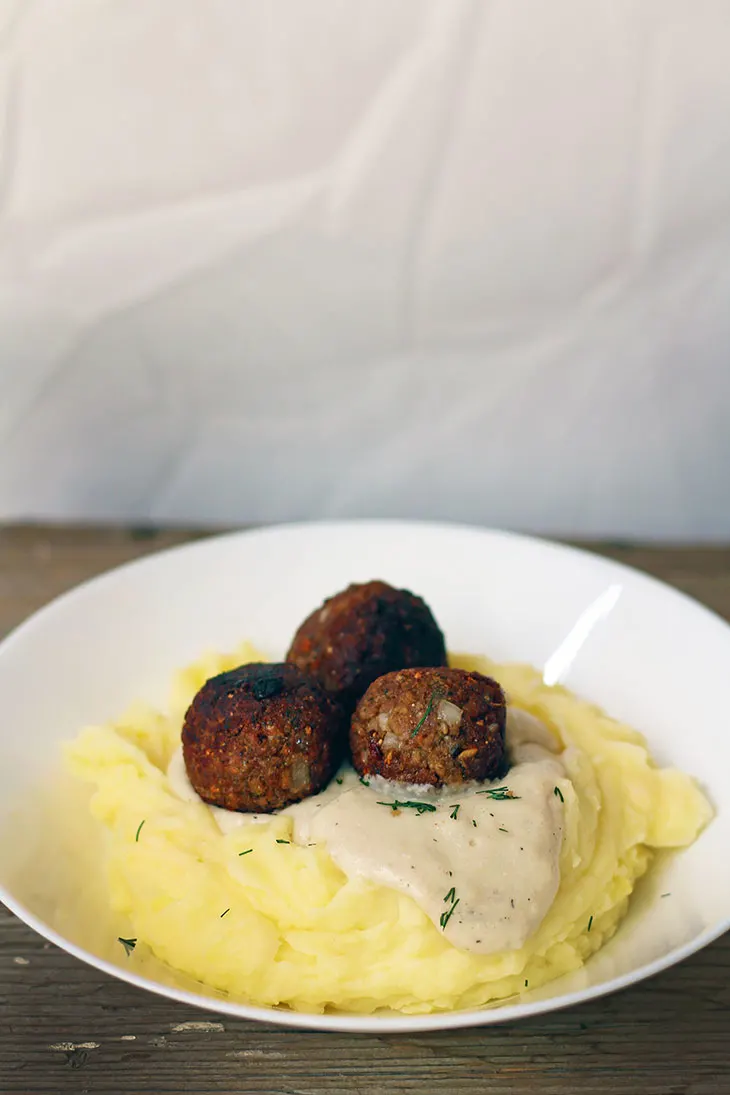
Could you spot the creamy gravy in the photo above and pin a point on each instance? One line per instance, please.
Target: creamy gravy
(484, 869)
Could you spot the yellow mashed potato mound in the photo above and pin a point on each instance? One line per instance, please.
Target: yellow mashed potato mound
(297, 932)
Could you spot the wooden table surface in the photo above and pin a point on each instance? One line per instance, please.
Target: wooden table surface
(65, 1027)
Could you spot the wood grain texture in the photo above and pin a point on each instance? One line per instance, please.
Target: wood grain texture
(65, 1027)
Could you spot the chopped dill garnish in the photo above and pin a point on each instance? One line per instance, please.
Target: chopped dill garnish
(365, 782)
(224, 913)
(526, 983)
(503, 830)
(139, 830)
(419, 807)
(446, 916)
(128, 944)
(339, 780)
(246, 852)
(474, 822)
(590, 923)
(666, 895)
(559, 793)
(282, 841)
(499, 794)
(454, 812)
(426, 713)
(448, 913)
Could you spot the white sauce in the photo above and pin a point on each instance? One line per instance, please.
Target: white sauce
(495, 862)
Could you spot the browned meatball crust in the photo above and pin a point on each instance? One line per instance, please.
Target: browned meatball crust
(363, 632)
(433, 726)
(260, 737)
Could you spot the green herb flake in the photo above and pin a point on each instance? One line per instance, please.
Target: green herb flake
(278, 841)
(365, 782)
(139, 830)
(559, 793)
(247, 852)
(338, 780)
(454, 812)
(526, 983)
(419, 807)
(427, 712)
(446, 916)
(503, 830)
(224, 913)
(448, 913)
(128, 944)
(474, 822)
(590, 923)
(666, 895)
(498, 794)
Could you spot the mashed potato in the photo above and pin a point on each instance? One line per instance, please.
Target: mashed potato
(285, 926)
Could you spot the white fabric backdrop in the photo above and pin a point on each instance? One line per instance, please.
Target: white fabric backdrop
(440, 258)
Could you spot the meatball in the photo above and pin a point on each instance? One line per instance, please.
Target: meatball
(363, 632)
(260, 737)
(433, 726)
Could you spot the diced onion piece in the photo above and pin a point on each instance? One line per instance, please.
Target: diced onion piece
(299, 774)
(449, 712)
(391, 741)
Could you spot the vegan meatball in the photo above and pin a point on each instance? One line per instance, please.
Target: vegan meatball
(363, 632)
(260, 737)
(430, 726)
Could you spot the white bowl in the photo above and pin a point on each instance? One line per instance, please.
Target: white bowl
(645, 653)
